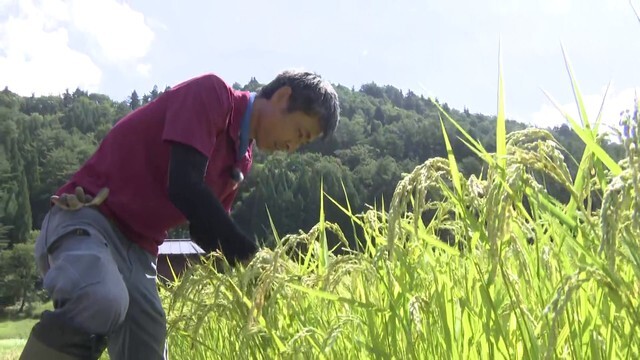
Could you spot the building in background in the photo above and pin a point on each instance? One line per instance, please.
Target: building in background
(173, 256)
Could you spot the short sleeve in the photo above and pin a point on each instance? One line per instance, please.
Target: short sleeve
(196, 111)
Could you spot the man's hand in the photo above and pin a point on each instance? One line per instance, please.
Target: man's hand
(79, 199)
(236, 248)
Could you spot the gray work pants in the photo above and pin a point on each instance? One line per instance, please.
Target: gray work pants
(102, 282)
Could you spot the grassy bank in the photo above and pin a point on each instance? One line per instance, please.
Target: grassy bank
(13, 335)
(15, 329)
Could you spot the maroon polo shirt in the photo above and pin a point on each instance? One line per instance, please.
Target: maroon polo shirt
(133, 159)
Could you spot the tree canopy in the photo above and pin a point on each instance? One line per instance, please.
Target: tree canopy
(383, 133)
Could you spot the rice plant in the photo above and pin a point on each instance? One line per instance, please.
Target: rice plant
(525, 276)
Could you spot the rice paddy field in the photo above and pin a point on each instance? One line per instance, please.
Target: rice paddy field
(528, 277)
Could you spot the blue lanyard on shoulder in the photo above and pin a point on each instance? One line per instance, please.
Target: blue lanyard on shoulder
(244, 128)
(236, 174)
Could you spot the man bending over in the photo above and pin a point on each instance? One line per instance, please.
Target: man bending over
(175, 160)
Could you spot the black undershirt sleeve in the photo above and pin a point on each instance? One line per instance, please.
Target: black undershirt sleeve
(209, 224)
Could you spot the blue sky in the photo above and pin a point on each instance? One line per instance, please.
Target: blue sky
(447, 49)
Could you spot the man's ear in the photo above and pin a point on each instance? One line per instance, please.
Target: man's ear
(281, 97)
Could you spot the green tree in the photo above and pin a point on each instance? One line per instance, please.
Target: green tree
(383, 133)
(134, 100)
(18, 276)
(154, 93)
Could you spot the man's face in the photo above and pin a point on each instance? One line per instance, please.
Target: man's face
(282, 131)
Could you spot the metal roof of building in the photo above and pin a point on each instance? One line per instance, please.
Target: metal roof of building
(179, 246)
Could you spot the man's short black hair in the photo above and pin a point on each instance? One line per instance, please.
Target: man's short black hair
(310, 95)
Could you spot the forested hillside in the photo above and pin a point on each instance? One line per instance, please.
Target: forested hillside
(383, 133)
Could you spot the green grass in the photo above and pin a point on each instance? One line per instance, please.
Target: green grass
(527, 280)
(10, 349)
(18, 329)
(13, 335)
(15, 330)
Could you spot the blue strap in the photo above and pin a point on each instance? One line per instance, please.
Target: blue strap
(244, 129)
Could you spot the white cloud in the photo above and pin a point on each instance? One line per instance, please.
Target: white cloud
(144, 69)
(6, 5)
(37, 56)
(615, 102)
(523, 7)
(156, 24)
(119, 32)
(557, 7)
(34, 58)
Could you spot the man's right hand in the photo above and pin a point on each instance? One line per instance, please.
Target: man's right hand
(237, 247)
(79, 199)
